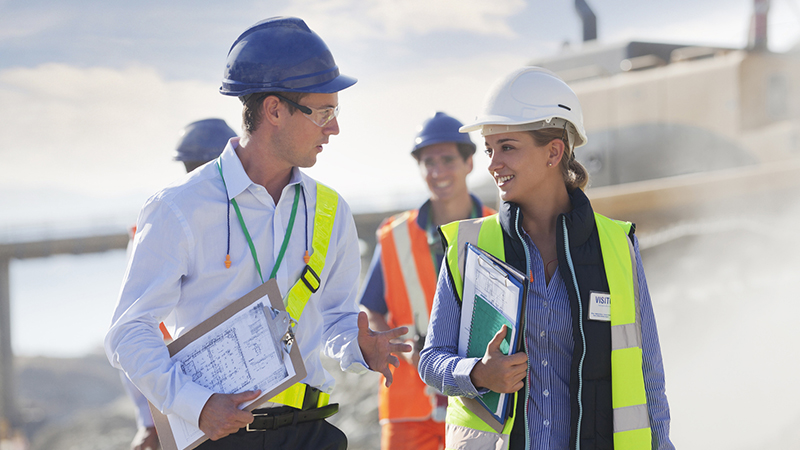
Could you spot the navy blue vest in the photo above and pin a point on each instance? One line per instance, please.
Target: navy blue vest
(597, 422)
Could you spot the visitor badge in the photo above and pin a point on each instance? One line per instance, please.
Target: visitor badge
(600, 306)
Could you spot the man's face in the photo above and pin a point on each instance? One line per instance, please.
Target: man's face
(303, 139)
(444, 170)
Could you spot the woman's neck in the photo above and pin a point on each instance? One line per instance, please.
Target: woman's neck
(540, 211)
(539, 220)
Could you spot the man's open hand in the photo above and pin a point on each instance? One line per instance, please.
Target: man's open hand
(377, 347)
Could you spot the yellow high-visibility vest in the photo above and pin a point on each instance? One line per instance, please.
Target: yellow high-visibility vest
(466, 430)
(300, 293)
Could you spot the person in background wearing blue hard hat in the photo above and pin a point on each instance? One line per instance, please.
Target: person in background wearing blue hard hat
(202, 141)
(191, 259)
(199, 143)
(401, 281)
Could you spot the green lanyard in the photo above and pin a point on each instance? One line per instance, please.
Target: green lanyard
(297, 193)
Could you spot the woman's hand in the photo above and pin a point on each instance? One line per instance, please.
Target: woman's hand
(498, 372)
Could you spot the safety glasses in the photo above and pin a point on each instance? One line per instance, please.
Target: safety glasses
(320, 117)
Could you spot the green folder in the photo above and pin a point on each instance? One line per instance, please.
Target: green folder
(486, 322)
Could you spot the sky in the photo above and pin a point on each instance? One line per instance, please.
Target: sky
(94, 93)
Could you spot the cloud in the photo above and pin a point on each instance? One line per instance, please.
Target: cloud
(21, 23)
(394, 20)
(98, 130)
(105, 132)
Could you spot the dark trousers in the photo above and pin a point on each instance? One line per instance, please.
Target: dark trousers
(317, 434)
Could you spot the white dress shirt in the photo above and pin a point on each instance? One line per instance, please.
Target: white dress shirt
(177, 274)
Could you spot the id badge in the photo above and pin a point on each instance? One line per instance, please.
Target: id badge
(600, 306)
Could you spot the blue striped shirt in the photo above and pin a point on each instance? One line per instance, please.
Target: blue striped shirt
(549, 343)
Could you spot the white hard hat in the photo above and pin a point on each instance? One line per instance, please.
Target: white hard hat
(530, 98)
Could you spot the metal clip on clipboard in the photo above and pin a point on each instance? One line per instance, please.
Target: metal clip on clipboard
(500, 276)
(282, 328)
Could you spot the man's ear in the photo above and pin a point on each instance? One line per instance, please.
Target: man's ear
(271, 110)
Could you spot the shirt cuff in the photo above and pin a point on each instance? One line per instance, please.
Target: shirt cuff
(353, 361)
(461, 376)
(192, 398)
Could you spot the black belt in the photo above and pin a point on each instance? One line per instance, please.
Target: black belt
(274, 418)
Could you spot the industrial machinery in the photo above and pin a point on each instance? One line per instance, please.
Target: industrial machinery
(676, 128)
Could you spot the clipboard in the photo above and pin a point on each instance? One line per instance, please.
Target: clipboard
(278, 321)
(494, 295)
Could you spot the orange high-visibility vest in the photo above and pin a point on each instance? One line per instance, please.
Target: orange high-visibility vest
(409, 279)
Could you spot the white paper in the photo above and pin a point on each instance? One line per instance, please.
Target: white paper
(238, 355)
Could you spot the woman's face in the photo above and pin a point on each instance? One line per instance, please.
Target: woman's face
(518, 166)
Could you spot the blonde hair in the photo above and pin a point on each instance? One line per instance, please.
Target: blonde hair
(575, 175)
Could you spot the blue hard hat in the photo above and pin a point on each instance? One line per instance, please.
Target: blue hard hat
(281, 54)
(203, 140)
(442, 128)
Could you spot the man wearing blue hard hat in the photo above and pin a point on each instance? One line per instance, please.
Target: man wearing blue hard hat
(401, 281)
(192, 259)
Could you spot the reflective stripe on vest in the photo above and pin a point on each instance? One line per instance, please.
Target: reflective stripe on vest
(482, 232)
(324, 213)
(628, 397)
(409, 279)
(629, 401)
(408, 267)
(300, 293)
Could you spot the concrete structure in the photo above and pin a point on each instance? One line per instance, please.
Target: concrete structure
(9, 414)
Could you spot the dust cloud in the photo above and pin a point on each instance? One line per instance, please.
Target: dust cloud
(725, 297)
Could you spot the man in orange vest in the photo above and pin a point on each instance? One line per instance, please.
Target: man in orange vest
(401, 281)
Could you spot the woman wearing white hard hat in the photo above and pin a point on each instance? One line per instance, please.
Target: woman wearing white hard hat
(588, 372)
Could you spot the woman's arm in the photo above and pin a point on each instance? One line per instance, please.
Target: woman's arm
(439, 363)
(652, 364)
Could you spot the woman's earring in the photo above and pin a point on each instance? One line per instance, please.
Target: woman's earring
(549, 164)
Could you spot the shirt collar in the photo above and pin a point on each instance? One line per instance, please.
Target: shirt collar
(425, 210)
(237, 180)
